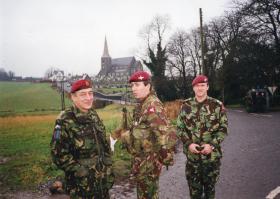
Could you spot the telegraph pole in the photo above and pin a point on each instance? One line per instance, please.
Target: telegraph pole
(202, 43)
(62, 93)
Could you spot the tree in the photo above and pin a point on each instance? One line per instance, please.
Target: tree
(3, 75)
(180, 60)
(263, 19)
(156, 60)
(222, 36)
(11, 75)
(50, 72)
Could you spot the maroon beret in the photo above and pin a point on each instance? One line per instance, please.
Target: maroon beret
(80, 84)
(139, 76)
(199, 79)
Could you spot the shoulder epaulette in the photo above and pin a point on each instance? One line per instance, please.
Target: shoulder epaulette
(216, 101)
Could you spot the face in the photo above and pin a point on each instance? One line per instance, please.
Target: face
(200, 90)
(83, 99)
(139, 90)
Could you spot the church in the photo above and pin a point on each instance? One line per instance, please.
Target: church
(117, 68)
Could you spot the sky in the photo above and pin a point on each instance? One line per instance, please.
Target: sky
(69, 34)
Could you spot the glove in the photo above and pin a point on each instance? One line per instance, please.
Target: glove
(112, 143)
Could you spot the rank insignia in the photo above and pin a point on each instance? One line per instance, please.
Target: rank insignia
(56, 132)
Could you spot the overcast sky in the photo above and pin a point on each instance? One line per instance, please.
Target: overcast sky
(69, 34)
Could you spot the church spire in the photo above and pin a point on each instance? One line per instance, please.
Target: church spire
(105, 52)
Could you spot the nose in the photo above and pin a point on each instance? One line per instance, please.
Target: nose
(89, 96)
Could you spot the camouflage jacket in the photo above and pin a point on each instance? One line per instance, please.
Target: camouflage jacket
(202, 123)
(79, 140)
(151, 135)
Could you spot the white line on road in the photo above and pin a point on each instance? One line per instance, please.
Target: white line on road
(273, 193)
(240, 111)
(255, 114)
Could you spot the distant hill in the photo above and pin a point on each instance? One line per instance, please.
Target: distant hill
(17, 98)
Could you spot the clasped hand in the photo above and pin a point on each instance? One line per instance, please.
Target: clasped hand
(204, 149)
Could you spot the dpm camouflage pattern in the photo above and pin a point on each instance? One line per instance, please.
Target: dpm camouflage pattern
(79, 147)
(150, 140)
(202, 123)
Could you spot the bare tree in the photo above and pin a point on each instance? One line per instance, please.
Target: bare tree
(50, 72)
(264, 17)
(179, 59)
(155, 31)
(11, 75)
(156, 59)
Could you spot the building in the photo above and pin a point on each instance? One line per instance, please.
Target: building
(117, 69)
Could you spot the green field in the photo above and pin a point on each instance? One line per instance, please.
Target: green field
(24, 138)
(27, 98)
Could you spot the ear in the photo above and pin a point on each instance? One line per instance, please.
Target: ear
(149, 86)
(72, 96)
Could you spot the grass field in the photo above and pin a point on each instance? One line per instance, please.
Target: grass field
(26, 128)
(114, 90)
(27, 98)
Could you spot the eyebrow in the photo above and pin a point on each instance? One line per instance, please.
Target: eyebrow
(84, 92)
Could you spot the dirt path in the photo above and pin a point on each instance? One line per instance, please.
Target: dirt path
(173, 185)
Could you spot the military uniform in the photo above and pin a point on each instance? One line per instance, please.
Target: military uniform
(79, 147)
(202, 123)
(151, 141)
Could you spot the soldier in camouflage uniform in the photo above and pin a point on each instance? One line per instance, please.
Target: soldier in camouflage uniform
(151, 138)
(202, 126)
(79, 147)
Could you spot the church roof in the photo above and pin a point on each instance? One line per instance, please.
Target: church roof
(123, 61)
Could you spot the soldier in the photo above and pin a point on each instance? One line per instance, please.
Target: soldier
(151, 138)
(202, 126)
(79, 147)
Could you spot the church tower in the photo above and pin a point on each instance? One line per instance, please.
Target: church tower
(106, 61)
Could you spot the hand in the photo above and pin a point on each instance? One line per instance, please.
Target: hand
(193, 148)
(112, 143)
(207, 149)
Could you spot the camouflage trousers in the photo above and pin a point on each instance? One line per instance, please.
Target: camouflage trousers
(145, 172)
(147, 187)
(88, 187)
(202, 177)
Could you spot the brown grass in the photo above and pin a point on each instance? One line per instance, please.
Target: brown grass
(172, 108)
(25, 120)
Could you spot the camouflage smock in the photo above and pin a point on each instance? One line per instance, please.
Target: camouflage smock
(152, 138)
(202, 123)
(79, 147)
